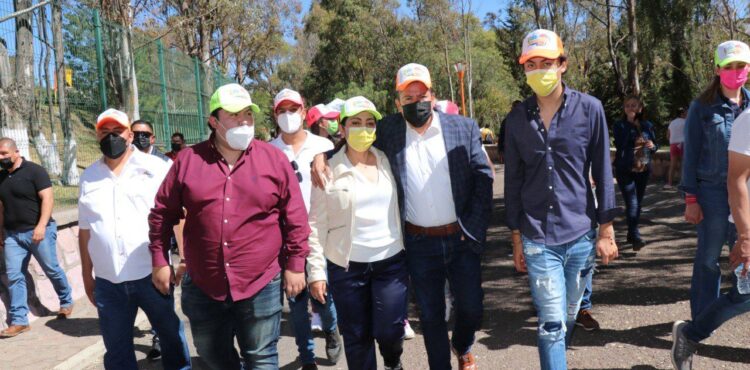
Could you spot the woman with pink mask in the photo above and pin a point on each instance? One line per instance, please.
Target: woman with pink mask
(704, 180)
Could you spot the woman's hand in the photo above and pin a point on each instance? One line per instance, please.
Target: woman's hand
(318, 290)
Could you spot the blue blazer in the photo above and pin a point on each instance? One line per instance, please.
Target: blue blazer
(470, 175)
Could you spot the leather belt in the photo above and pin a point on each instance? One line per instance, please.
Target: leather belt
(435, 231)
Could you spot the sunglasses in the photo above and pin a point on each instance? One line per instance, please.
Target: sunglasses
(295, 167)
(142, 133)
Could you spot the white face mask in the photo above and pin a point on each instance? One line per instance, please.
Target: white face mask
(239, 138)
(290, 122)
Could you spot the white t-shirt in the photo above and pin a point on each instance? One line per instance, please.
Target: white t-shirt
(313, 145)
(115, 209)
(739, 142)
(677, 131)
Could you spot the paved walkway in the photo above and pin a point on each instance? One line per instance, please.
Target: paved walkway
(636, 299)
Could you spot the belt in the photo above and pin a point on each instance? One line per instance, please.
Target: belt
(435, 231)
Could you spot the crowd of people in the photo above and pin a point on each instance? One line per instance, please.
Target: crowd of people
(350, 216)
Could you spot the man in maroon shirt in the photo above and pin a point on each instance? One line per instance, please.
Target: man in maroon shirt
(245, 223)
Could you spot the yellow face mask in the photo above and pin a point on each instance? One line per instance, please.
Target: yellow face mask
(542, 81)
(360, 138)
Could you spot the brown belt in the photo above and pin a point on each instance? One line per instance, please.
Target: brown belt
(435, 231)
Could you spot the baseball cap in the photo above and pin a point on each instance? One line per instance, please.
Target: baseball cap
(113, 115)
(412, 72)
(287, 95)
(447, 107)
(232, 98)
(357, 105)
(731, 51)
(336, 104)
(320, 111)
(541, 43)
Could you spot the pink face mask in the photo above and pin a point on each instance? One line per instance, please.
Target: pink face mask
(734, 78)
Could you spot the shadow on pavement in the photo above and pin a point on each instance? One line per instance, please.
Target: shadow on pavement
(75, 327)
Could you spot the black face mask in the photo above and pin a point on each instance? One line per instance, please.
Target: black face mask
(6, 163)
(113, 146)
(142, 140)
(176, 147)
(417, 113)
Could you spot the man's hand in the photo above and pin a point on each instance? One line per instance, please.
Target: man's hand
(606, 248)
(38, 234)
(294, 282)
(650, 144)
(693, 213)
(162, 278)
(318, 290)
(518, 260)
(88, 285)
(180, 272)
(740, 254)
(319, 171)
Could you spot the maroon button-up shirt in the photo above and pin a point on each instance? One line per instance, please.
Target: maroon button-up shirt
(237, 220)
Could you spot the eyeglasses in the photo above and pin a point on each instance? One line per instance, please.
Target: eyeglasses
(142, 133)
(295, 167)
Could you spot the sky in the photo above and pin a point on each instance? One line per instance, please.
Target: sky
(479, 7)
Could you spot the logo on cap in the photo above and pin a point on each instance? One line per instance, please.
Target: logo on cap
(412, 72)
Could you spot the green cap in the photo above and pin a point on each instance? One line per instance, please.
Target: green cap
(731, 51)
(232, 98)
(357, 105)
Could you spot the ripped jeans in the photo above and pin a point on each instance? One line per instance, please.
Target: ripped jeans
(558, 275)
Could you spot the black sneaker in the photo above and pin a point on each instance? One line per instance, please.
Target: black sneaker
(638, 243)
(333, 345)
(397, 367)
(155, 352)
(683, 348)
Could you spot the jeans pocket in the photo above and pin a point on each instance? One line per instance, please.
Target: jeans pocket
(268, 301)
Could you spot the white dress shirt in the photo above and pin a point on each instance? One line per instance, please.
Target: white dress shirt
(115, 209)
(428, 193)
(313, 145)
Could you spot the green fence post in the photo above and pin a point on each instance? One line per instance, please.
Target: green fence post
(163, 78)
(201, 119)
(100, 59)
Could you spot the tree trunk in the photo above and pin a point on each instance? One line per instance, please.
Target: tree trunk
(47, 150)
(130, 82)
(70, 174)
(620, 83)
(633, 77)
(24, 80)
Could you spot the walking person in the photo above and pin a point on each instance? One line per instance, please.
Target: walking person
(635, 144)
(300, 147)
(707, 165)
(27, 228)
(245, 221)
(177, 143)
(144, 139)
(356, 233)
(116, 195)
(552, 141)
(676, 132)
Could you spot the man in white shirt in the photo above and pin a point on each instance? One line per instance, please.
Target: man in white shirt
(301, 146)
(116, 196)
(676, 133)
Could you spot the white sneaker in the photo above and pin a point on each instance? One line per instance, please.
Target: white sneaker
(315, 324)
(408, 331)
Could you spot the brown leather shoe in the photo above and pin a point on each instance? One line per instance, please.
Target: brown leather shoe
(466, 362)
(14, 330)
(586, 321)
(65, 312)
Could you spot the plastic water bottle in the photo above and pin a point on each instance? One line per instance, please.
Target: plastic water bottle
(743, 282)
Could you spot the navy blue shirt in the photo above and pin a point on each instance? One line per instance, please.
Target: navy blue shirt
(625, 133)
(548, 195)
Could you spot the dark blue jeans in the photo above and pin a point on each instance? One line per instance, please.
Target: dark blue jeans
(18, 251)
(432, 260)
(301, 322)
(371, 299)
(713, 233)
(633, 188)
(118, 304)
(254, 322)
(586, 300)
(717, 312)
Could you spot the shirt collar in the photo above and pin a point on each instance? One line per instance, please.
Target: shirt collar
(434, 129)
(723, 100)
(534, 104)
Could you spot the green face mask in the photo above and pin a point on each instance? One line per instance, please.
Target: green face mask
(333, 126)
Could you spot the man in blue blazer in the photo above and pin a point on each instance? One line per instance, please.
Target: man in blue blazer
(444, 186)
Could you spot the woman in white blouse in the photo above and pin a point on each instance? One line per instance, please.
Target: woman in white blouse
(356, 239)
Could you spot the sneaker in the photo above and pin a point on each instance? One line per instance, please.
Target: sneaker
(312, 366)
(466, 361)
(682, 347)
(333, 345)
(155, 352)
(315, 323)
(586, 321)
(408, 331)
(397, 367)
(638, 244)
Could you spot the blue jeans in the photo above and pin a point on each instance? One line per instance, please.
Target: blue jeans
(713, 233)
(372, 301)
(18, 251)
(117, 306)
(253, 321)
(586, 299)
(432, 260)
(557, 276)
(633, 188)
(721, 310)
(301, 322)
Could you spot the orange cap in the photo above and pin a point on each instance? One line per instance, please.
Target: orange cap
(541, 43)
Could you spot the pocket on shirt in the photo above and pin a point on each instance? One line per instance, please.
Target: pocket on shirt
(337, 199)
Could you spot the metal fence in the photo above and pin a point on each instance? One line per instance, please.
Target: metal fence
(102, 70)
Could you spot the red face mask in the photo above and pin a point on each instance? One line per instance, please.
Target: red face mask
(734, 78)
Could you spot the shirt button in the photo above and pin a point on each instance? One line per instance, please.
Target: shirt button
(550, 188)
(227, 264)
(549, 148)
(550, 168)
(227, 199)
(225, 221)
(550, 206)
(225, 243)
(229, 177)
